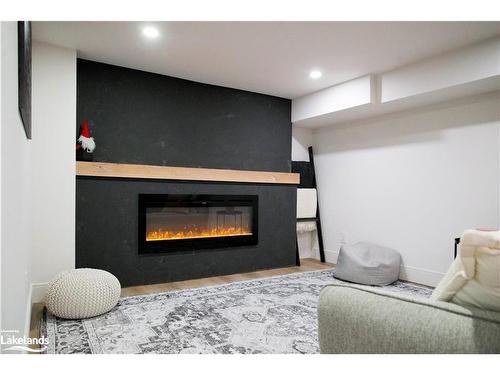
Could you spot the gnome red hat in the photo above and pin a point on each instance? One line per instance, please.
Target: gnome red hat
(85, 139)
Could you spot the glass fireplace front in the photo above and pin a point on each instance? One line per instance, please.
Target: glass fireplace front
(169, 222)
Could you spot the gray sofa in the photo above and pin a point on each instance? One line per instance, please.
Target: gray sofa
(356, 319)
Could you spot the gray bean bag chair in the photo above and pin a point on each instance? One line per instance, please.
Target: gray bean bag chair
(367, 263)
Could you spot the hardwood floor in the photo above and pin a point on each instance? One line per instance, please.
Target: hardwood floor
(306, 265)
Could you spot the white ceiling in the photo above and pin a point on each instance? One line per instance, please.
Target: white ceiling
(266, 57)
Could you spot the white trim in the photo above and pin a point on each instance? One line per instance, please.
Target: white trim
(331, 256)
(407, 273)
(27, 317)
(420, 275)
(37, 292)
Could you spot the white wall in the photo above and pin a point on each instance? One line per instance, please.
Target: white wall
(54, 114)
(37, 177)
(336, 98)
(16, 196)
(0, 179)
(474, 63)
(301, 140)
(465, 72)
(412, 181)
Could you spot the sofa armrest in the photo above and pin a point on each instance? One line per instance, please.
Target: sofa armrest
(354, 319)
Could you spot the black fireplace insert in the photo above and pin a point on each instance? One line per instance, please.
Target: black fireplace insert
(172, 222)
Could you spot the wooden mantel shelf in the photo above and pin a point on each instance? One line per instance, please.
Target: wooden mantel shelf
(96, 169)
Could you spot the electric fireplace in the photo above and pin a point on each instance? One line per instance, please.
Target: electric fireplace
(170, 222)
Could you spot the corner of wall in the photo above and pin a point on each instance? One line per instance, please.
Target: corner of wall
(16, 197)
(54, 91)
(1, 26)
(301, 140)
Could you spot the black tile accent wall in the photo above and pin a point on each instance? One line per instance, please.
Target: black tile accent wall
(144, 118)
(107, 232)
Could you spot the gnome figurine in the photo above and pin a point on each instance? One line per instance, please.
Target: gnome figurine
(85, 144)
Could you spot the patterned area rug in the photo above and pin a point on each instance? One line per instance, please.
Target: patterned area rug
(270, 315)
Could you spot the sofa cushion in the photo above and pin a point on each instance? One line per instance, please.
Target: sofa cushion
(474, 276)
(357, 319)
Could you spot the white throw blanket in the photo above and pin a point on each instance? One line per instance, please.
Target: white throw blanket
(474, 277)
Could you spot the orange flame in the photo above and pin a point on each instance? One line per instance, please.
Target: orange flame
(161, 235)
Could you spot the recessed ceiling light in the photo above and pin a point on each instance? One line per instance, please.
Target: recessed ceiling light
(150, 32)
(315, 74)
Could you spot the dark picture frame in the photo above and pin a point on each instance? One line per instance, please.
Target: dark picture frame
(24, 73)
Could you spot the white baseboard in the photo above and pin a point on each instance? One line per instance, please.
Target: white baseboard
(27, 317)
(331, 256)
(38, 292)
(420, 276)
(412, 274)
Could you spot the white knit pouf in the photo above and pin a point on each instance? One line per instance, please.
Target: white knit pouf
(82, 293)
